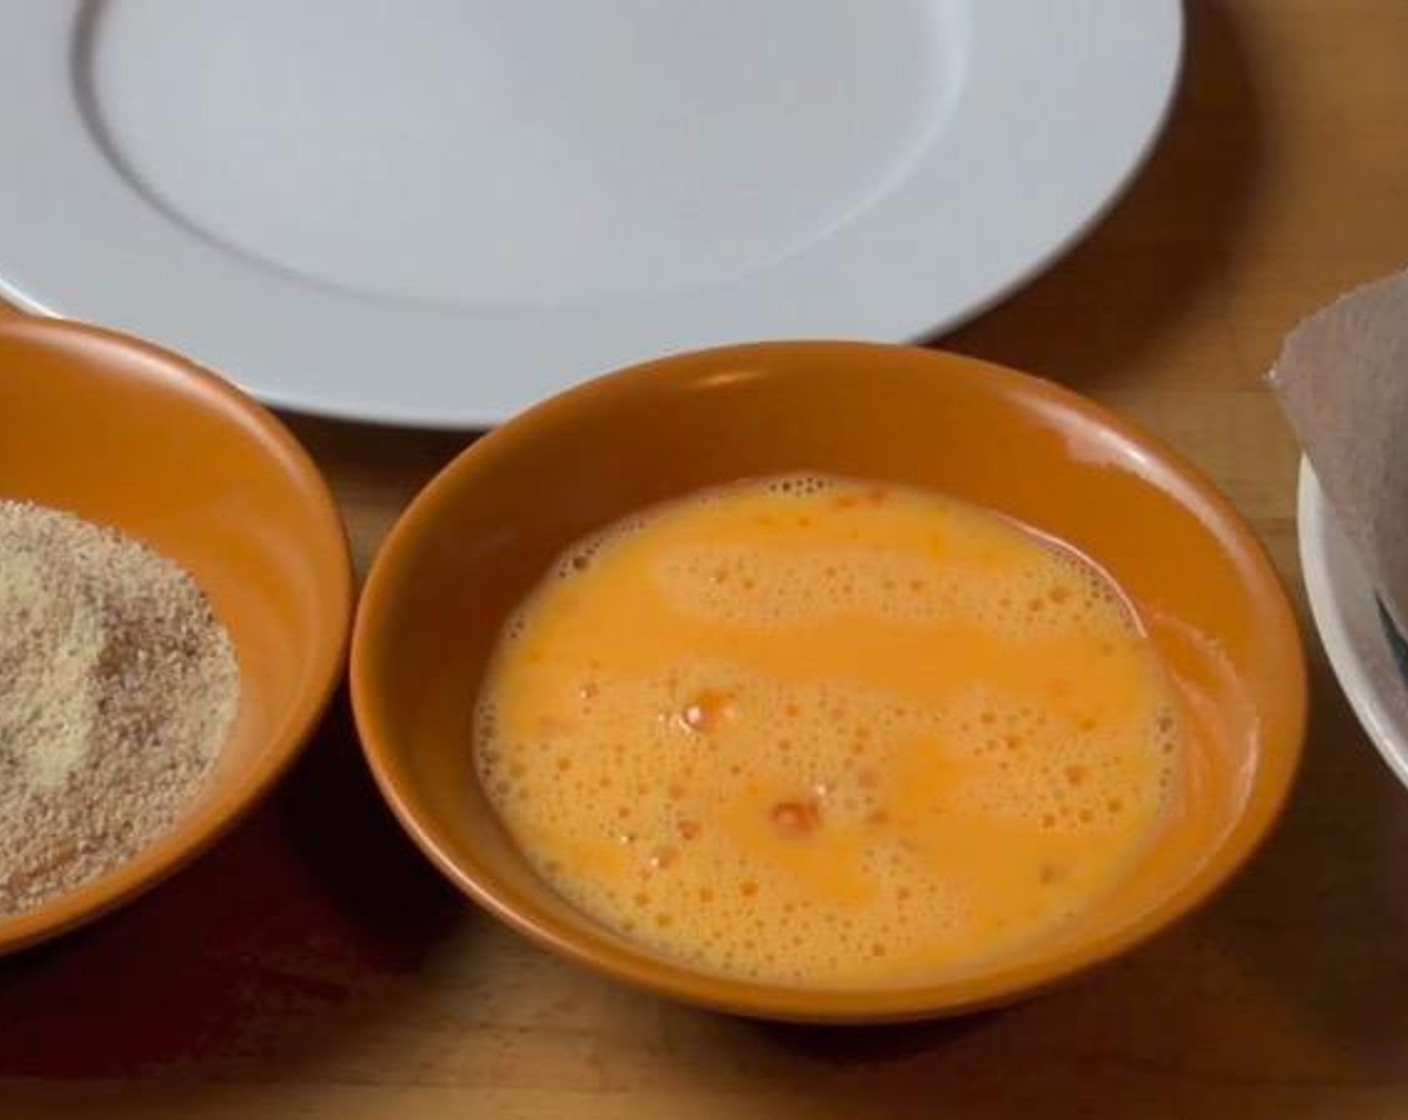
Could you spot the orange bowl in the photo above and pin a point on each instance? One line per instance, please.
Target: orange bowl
(125, 434)
(483, 532)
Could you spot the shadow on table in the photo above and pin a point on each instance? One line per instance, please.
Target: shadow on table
(299, 922)
(375, 471)
(409, 456)
(1167, 244)
(1321, 918)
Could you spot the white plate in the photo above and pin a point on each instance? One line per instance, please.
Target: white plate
(1351, 626)
(435, 212)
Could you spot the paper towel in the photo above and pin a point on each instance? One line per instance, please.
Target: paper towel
(1342, 379)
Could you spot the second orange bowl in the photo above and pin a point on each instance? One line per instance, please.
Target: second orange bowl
(482, 533)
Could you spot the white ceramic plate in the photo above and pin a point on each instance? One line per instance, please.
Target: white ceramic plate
(1352, 627)
(437, 211)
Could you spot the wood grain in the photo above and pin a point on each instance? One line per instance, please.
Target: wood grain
(313, 966)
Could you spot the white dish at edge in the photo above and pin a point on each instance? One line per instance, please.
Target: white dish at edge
(1347, 616)
(435, 213)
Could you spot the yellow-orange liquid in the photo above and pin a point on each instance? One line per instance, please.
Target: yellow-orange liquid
(821, 732)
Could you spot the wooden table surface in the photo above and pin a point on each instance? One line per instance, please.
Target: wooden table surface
(314, 966)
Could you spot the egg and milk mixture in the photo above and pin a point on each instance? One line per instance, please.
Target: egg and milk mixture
(814, 731)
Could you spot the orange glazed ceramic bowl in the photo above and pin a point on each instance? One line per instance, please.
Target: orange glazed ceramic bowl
(482, 534)
(125, 434)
